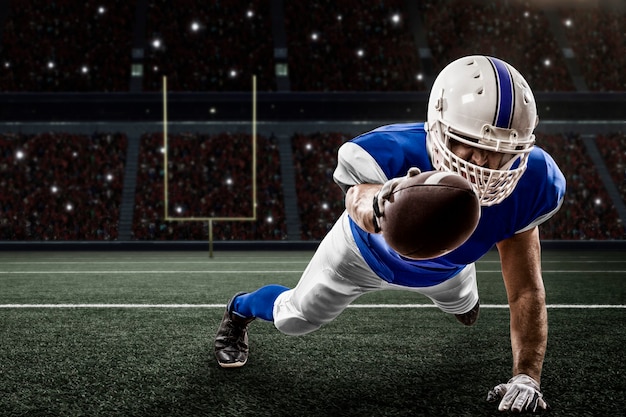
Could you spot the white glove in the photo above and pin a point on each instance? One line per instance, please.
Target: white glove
(385, 193)
(521, 393)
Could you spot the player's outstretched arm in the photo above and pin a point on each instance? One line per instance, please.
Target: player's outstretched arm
(520, 256)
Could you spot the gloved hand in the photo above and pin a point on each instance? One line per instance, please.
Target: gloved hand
(385, 193)
(521, 393)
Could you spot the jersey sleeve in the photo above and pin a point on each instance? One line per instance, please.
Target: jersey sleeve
(381, 154)
(356, 166)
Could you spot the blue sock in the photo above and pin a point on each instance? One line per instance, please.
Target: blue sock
(259, 303)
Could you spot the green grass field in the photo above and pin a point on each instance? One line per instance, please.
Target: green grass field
(130, 334)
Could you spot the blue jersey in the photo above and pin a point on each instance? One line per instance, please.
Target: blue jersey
(396, 148)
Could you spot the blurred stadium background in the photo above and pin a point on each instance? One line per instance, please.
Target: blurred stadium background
(81, 131)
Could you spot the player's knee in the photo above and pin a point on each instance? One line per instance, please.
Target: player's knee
(290, 319)
(294, 326)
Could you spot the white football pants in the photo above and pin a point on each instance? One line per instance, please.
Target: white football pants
(337, 275)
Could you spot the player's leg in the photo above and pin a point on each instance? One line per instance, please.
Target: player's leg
(335, 277)
(458, 295)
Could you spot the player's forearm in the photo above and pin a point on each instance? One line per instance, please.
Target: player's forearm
(359, 204)
(529, 333)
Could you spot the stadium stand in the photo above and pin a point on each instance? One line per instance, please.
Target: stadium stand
(51, 191)
(59, 186)
(210, 176)
(65, 186)
(315, 158)
(587, 212)
(508, 30)
(361, 45)
(354, 45)
(613, 149)
(209, 46)
(595, 36)
(65, 46)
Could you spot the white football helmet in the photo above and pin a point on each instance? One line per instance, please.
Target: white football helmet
(482, 102)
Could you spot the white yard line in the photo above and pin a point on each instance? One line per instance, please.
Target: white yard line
(271, 261)
(278, 271)
(365, 306)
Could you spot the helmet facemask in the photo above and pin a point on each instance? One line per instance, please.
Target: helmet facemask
(491, 185)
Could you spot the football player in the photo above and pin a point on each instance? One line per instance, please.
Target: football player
(480, 123)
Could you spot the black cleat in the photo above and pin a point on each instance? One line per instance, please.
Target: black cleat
(471, 316)
(231, 341)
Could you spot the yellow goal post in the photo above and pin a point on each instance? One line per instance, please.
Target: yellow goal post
(210, 220)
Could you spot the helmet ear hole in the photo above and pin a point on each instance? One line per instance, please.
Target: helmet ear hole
(527, 98)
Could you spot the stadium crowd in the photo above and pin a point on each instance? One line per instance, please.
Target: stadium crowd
(315, 158)
(587, 212)
(209, 176)
(209, 46)
(59, 186)
(491, 28)
(613, 149)
(351, 46)
(51, 46)
(361, 45)
(594, 36)
(62, 186)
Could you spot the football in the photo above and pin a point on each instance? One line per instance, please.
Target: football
(430, 214)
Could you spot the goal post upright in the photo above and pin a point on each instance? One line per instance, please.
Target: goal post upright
(254, 191)
(210, 220)
(165, 175)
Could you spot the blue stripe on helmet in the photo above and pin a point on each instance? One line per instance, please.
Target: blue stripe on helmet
(504, 113)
